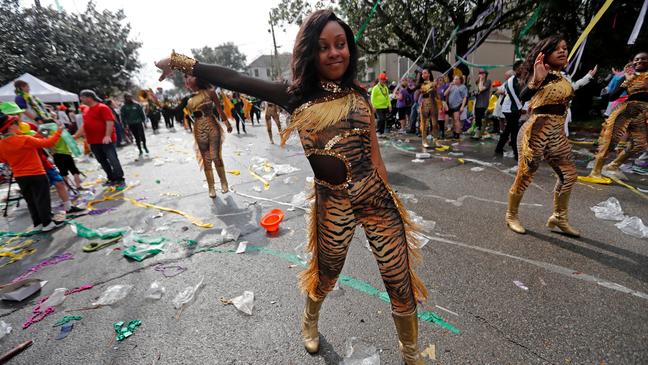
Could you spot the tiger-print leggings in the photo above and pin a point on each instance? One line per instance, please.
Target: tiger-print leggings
(371, 204)
(209, 138)
(428, 116)
(547, 140)
(631, 118)
(269, 117)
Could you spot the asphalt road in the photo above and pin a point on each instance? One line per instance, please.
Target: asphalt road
(586, 301)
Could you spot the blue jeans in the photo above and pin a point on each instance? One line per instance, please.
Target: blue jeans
(106, 155)
(120, 132)
(413, 118)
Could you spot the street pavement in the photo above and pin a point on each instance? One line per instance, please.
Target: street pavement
(576, 301)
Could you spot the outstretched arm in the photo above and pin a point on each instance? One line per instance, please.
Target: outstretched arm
(226, 78)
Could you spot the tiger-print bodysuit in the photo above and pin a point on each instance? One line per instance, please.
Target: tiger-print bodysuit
(208, 133)
(349, 191)
(542, 136)
(631, 118)
(428, 108)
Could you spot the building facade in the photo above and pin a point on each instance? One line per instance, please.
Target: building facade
(262, 67)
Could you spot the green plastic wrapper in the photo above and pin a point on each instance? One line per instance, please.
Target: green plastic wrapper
(67, 319)
(103, 233)
(124, 332)
(139, 248)
(66, 136)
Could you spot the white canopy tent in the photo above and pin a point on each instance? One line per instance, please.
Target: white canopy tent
(44, 91)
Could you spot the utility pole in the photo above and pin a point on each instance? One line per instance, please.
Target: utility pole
(276, 65)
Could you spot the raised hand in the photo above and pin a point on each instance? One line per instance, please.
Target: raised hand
(592, 72)
(540, 69)
(165, 66)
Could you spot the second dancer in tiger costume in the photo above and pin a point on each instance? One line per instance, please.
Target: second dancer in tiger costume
(428, 108)
(207, 131)
(542, 136)
(336, 126)
(630, 117)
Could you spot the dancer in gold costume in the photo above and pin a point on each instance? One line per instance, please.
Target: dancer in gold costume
(428, 108)
(630, 117)
(543, 135)
(272, 113)
(335, 123)
(207, 131)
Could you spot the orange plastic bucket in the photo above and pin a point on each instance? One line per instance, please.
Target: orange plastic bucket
(270, 221)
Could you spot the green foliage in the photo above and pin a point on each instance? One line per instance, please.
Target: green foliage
(69, 50)
(402, 26)
(227, 55)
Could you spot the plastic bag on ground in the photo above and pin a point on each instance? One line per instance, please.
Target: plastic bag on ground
(230, 233)
(139, 247)
(5, 329)
(104, 233)
(55, 299)
(426, 225)
(113, 295)
(187, 294)
(633, 226)
(609, 210)
(244, 303)
(298, 200)
(155, 291)
(359, 353)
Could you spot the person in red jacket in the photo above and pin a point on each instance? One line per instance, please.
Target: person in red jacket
(20, 152)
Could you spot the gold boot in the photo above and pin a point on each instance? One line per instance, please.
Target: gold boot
(512, 220)
(407, 329)
(559, 216)
(613, 168)
(598, 166)
(309, 324)
(209, 174)
(222, 176)
(424, 134)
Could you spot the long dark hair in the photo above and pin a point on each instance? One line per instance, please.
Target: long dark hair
(546, 46)
(420, 76)
(305, 81)
(202, 84)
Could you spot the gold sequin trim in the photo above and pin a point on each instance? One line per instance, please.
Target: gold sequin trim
(353, 132)
(182, 63)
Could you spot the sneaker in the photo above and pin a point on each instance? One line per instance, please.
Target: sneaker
(74, 209)
(37, 228)
(107, 183)
(52, 225)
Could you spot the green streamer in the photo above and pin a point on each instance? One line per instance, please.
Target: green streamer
(364, 25)
(465, 62)
(532, 20)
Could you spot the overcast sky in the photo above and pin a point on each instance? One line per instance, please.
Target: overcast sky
(162, 25)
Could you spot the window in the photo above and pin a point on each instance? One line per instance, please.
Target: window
(268, 72)
(256, 72)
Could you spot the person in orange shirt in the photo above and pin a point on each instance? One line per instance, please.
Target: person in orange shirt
(20, 152)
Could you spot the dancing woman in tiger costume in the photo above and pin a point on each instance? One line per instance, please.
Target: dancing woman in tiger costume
(337, 130)
(630, 117)
(428, 108)
(543, 135)
(207, 131)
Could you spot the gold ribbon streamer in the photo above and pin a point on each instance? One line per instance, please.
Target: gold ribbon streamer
(589, 27)
(107, 197)
(266, 184)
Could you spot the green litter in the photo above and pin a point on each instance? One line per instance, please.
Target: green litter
(67, 319)
(124, 332)
(103, 233)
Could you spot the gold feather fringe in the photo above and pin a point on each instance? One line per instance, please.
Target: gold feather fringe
(413, 252)
(309, 278)
(526, 154)
(319, 114)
